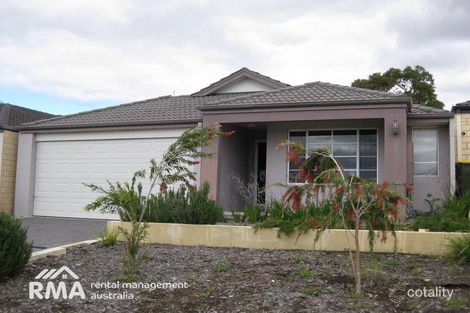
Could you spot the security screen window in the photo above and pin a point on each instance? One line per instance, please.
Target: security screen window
(355, 150)
(425, 152)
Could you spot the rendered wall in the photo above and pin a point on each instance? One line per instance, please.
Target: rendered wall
(438, 186)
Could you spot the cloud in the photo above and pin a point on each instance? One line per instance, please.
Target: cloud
(129, 50)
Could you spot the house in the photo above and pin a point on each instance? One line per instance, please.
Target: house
(462, 124)
(377, 135)
(10, 117)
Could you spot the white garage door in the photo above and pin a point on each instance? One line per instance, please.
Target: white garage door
(65, 162)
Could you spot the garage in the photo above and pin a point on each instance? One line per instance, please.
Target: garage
(65, 161)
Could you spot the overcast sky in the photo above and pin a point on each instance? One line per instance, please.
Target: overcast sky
(75, 55)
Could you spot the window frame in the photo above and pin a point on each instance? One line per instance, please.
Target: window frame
(331, 130)
(436, 130)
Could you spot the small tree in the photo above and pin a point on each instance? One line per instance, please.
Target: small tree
(415, 82)
(357, 203)
(128, 200)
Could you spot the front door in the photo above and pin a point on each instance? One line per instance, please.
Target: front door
(261, 170)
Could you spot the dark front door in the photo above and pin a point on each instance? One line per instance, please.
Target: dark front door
(261, 171)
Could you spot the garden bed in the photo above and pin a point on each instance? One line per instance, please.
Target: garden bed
(246, 280)
(429, 243)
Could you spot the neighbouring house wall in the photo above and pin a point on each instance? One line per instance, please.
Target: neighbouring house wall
(463, 136)
(8, 154)
(438, 186)
(234, 157)
(1, 145)
(276, 165)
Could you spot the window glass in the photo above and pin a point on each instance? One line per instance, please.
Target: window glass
(355, 150)
(425, 147)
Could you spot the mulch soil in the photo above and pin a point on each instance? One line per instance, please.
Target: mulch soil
(244, 280)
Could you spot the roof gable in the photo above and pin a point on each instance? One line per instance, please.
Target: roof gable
(243, 80)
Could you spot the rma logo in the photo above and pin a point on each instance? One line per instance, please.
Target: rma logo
(43, 290)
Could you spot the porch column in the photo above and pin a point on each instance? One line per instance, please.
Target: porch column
(395, 148)
(210, 166)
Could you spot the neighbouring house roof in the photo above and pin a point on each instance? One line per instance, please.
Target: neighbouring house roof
(238, 75)
(422, 111)
(12, 115)
(187, 109)
(316, 93)
(463, 106)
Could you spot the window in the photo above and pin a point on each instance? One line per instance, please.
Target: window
(355, 150)
(425, 155)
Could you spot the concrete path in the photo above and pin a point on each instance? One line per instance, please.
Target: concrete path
(48, 232)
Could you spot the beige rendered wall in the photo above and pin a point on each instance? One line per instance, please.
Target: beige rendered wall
(428, 243)
(8, 153)
(463, 136)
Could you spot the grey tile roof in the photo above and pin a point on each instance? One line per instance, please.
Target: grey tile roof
(310, 94)
(187, 109)
(13, 115)
(463, 106)
(422, 111)
(162, 110)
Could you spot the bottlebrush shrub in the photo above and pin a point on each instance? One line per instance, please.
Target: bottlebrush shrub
(127, 199)
(356, 203)
(15, 251)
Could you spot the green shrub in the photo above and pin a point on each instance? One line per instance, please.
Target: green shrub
(167, 207)
(15, 251)
(184, 206)
(451, 216)
(251, 213)
(109, 237)
(238, 217)
(459, 249)
(287, 220)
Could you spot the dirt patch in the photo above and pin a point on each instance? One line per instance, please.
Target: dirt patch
(244, 280)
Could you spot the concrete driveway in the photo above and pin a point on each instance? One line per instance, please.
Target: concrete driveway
(48, 232)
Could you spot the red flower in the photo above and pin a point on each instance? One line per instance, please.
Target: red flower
(409, 188)
(385, 184)
(340, 190)
(295, 201)
(163, 187)
(351, 214)
(228, 133)
(294, 155)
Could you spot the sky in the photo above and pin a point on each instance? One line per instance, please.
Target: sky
(76, 55)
